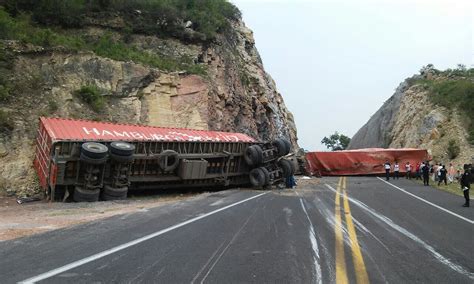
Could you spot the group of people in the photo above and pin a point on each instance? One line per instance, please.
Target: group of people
(438, 172)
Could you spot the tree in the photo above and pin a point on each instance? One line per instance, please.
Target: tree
(336, 141)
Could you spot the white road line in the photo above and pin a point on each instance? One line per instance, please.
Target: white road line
(446, 261)
(94, 257)
(314, 245)
(430, 203)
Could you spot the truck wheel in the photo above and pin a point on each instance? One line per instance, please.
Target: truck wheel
(121, 148)
(266, 173)
(94, 150)
(121, 159)
(253, 155)
(287, 168)
(168, 160)
(84, 195)
(259, 177)
(111, 193)
(281, 147)
(288, 145)
(93, 161)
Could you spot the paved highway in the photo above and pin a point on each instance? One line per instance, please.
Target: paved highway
(330, 230)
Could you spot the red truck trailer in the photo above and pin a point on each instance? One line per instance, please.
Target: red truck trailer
(362, 161)
(88, 160)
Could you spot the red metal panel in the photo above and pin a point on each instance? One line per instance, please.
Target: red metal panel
(42, 155)
(79, 130)
(361, 161)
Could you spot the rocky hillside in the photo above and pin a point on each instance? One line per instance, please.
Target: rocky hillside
(433, 110)
(128, 61)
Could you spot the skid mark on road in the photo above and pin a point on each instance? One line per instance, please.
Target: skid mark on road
(116, 249)
(363, 229)
(314, 246)
(442, 259)
(232, 241)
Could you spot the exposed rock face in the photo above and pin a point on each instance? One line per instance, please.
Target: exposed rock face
(377, 131)
(409, 120)
(235, 95)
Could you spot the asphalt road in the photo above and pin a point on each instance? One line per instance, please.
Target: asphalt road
(335, 230)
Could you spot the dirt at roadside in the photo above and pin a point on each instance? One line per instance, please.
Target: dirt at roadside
(31, 218)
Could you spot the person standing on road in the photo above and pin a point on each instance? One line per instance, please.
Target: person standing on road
(451, 173)
(387, 169)
(418, 171)
(408, 169)
(434, 171)
(396, 170)
(466, 184)
(426, 174)
(442, 175)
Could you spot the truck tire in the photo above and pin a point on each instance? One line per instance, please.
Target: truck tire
(259, 177)
(253, 155)
(121, 159)
(94, 150)
(168, 160)
(288, 145)
(287, 168)
(84, 195)
(93, 161)
(111, 193)
(266, 173)
(121, 148)
(281, 147)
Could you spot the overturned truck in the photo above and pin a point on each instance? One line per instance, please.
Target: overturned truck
(89, 161)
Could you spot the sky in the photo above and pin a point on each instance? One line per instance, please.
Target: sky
(335, 62)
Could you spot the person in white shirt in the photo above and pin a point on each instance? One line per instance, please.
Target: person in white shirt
(387, 167)
(396, 170)
(408, 169)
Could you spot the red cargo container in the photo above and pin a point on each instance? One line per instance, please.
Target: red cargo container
(361, 161)
(66, 161)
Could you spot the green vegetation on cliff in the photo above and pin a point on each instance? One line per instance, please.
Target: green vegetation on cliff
(21, 28)
(454, 91)
(155, 17)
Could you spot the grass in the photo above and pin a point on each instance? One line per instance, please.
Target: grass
(453, 188)
(21, 28)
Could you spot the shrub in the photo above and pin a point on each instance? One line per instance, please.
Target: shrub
(6, 124)
(90, 94)
(453, 149)
(4, 93)
(53, 106)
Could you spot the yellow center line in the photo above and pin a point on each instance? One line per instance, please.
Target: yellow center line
(359, 265)
(341, 274)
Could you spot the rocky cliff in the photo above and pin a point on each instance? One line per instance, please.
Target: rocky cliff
(232, 93)
(429, 111)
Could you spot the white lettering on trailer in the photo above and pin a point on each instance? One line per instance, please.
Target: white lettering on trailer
(106, 132)
(136, 135)
(123, 134)
(171, 136)
(90, 131)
